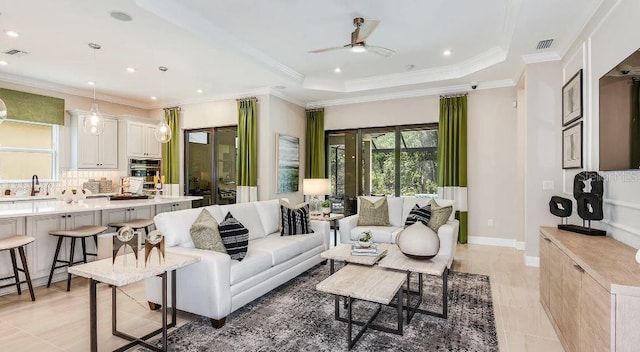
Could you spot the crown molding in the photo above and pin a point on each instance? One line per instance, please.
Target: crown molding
(411, 94)
(541, 57)
(181, 16)
(60, 88)
(481, 61)
(280, 94)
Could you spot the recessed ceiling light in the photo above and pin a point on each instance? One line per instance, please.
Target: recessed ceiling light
(199, 91)
(131, 69)
(3, 63)
(91, 83)
(11, 33)
(337, 70)
(120, 16)
(447, 52)
(154, 98)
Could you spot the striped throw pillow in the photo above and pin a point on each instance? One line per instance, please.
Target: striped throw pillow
(295, 219)
(419, 214)
(235, 237)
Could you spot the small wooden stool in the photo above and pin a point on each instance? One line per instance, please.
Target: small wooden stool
(10, 244)
(82, 233)
(136, 224)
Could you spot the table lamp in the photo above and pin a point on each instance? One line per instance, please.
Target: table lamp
(315, 187)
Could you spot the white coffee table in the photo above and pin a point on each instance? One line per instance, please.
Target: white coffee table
(367, 283)
(125, 272)
(436, 266)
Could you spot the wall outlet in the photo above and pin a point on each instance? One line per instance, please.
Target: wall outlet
(548, 185)
(490, 222)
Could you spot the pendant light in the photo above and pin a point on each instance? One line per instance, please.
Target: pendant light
(94, 122)
(163, 132)
(3, 111)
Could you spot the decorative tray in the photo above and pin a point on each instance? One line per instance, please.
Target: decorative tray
(128, 197)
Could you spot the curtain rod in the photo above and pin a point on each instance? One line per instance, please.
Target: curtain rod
(173, 107)
(314, 109)
(246, 98)
(454, 95)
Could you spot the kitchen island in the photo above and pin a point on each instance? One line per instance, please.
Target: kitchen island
(37, 218)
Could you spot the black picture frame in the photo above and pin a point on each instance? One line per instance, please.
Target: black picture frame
(572, 99)
(572, 145)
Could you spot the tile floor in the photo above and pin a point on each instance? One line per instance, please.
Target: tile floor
(59, 321)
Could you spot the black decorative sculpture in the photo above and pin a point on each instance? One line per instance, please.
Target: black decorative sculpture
(589, 203)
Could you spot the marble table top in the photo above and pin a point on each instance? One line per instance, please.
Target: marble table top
(395, 259)
(125, 271)
(342, 252)
(369, 283)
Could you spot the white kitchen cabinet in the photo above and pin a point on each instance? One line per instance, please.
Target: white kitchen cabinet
(167, 207)
(140, 140)
(44, 247)
(93, 152)
(10, 227)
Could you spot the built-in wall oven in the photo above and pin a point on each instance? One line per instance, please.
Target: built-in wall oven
(146, 168)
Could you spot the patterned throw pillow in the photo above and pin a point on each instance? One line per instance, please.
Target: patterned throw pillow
(294, 219)
(235, 237)
(419, 214)
(439, 215)
(204, 233)
(373, 214)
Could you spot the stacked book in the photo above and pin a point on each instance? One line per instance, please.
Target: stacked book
(372, 250)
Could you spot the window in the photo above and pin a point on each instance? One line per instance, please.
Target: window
(28, 148)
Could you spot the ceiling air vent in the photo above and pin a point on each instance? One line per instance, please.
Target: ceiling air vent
(16, 52)
(544, 44)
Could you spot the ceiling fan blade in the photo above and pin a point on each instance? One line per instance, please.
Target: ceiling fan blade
(327, 49)
(366, 28)
(380, 50)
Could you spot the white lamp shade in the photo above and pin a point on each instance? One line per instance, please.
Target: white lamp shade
(316, 186)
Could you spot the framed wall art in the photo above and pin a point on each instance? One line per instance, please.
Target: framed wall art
(288, 163)
(572, 147)
(572, 99)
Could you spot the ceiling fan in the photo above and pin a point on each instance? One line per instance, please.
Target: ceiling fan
(364, 28)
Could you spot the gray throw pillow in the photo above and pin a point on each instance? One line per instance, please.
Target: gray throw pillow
(439, 215)
(373, 213)
(205, 234)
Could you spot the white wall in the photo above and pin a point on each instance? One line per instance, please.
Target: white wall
(274, 116)
(543, 147)
(493, 179)
(612, 36)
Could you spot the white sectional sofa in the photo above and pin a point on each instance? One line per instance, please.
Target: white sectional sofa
(217, 285)
(399, 208)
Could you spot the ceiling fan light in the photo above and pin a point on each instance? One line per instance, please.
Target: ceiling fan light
(358, 48)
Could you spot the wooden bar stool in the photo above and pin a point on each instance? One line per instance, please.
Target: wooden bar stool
(11, 244)
(136, 224)
(82, 233)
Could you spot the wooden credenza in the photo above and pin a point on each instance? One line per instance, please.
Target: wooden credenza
(590, 288)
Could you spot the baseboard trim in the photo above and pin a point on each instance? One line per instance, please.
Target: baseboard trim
(532, 261)
(494, 241)
(520, 245)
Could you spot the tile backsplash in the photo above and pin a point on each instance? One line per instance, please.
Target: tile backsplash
(67, 179)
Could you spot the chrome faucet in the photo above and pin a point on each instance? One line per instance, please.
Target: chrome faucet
(35, 185)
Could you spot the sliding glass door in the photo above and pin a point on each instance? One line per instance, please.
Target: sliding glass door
(392, 161)
(210, 165)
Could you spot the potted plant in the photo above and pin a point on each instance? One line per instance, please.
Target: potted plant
(325, 205)
(365, 239)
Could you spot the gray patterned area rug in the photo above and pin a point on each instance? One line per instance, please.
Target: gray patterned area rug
(296, 317)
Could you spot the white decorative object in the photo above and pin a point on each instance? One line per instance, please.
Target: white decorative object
(418, 241)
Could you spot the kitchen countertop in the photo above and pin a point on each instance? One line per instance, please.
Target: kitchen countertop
(39, 198)
(45, 207)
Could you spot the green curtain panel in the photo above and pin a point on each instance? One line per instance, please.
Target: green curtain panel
(452, 157)
(170, 150)
(315, 151)
(635, 125)
(33, 107)
(247, 176)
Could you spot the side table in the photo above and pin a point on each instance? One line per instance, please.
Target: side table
(333, 221)
(125, 272)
